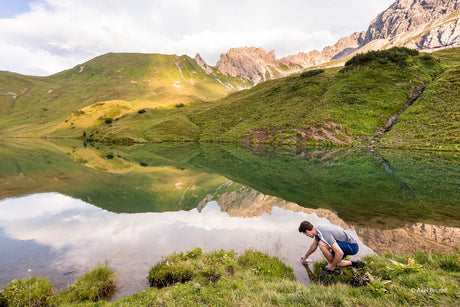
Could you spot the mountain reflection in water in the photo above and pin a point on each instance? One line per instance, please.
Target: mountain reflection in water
(81, 235)
(133, 205)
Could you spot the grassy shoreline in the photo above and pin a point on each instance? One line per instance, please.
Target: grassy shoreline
(224, 278)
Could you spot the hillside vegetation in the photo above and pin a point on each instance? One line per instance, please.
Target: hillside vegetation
(393, 98)
(108, 86)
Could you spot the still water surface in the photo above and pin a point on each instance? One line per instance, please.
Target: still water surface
(66, 207)
(67, 235)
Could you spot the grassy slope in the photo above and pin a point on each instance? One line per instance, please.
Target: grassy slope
(346, 107)
(433, 121)
(122, 82)
(105, 99)
(355, 102)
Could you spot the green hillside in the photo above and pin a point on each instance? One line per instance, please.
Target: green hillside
(434, 121)
(117, 83)
(392, 98)
(341, 106)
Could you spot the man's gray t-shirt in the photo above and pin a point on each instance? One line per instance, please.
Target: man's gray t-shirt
(332, 233)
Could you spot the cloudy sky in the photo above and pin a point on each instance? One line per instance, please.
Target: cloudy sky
(42, 37)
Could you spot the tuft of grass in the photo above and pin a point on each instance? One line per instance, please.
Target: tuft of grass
(95, 285)
(262, 264)
(29, 291)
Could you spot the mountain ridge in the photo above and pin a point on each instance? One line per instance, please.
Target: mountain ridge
(128, 97)
(425, 25)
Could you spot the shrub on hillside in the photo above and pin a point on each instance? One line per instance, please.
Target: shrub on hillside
(310, 73)
(429, 59)
(397, 55)
(78, 112)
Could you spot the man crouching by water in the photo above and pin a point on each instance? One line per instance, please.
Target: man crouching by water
(334, 242)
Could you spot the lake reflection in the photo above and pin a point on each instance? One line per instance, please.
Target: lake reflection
(81, 235)
(88, 203)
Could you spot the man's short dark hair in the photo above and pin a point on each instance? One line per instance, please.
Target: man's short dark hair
(304, 226)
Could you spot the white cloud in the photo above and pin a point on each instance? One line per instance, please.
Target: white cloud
(59, 34)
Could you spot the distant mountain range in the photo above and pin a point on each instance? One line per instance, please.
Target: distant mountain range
(426, 25)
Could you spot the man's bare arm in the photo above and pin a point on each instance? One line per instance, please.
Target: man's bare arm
(310, 251)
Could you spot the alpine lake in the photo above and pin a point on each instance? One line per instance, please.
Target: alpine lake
(66, 206)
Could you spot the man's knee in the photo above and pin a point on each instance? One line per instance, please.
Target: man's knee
(324, 248)
(326, 251)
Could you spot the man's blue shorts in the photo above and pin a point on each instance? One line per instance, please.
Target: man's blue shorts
(348, 249)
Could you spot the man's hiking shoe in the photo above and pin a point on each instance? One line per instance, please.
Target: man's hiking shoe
(358, 264)
(326, 272)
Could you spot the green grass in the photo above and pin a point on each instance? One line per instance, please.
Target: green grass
(29, 291)
(334, 106)
(330, 107)
(223, 278)
(95, 285)
(433, 121)
(40, 105)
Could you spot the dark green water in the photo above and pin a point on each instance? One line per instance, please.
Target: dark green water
(383, 189)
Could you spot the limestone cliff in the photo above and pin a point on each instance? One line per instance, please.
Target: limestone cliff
(250, 63)
(200, 62)
(425, 25)
(408, 15)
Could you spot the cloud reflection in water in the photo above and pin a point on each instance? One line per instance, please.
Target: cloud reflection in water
(83, 235)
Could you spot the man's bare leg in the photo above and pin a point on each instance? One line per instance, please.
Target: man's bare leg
(326, 250)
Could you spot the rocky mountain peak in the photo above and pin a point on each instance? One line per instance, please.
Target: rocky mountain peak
(425, 25)
(200, 62)
(250, 63)
(406, 15)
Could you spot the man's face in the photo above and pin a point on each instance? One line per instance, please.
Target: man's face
(309, 233)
